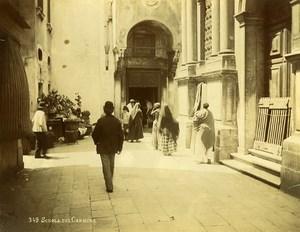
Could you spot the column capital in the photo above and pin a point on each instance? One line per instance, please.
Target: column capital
(248, 18)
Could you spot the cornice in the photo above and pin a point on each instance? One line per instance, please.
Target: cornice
(247, 18)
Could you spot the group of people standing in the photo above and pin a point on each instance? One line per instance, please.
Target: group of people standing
(165, 129)
(132, 121)
(109, 132)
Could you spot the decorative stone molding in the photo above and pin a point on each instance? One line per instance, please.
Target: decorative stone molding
(149, 62)
(152, 3)
(247, 18)
(294, 59)
(40, 13)
(49, 27)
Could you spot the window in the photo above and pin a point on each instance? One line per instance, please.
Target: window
(40, 90)
(40, 54)
(40, 4)
(40, 9)
(48, 11)
(144, 45)
(49, 62)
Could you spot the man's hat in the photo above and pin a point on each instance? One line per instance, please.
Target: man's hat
(108, 107)
(132, 101)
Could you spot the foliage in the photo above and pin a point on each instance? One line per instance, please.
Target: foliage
(57, 103)
(61, 104)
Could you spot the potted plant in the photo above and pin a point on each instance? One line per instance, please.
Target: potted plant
(64, 108)
(85, 115)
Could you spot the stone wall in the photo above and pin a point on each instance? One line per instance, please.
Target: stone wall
(78, 55)
(11, 158)
(14, 27)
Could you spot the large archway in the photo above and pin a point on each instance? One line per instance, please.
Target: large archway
(147, 64)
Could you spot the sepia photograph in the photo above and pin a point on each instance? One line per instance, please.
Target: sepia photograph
(149, 115)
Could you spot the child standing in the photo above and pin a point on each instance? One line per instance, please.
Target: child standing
(125, 121)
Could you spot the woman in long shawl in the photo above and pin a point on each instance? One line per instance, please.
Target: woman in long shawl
(135, 123)
(169, 130)
(204, 125)
(155, 133)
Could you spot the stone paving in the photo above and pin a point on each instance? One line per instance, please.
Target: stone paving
(152, 193)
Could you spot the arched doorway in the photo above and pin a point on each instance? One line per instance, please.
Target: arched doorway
(147, 64)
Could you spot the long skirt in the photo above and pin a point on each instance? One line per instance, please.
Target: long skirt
(168, 145)
(135, 130)
(155, 136)
(202, 148)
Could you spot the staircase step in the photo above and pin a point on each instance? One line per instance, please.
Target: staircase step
(265, 155)
(256, 161)
(253, 172)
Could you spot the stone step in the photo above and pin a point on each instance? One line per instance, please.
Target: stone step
(255, 161)
(249, 170)
(265, 155)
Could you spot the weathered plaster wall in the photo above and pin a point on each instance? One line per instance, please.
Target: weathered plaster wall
(78, 64)
(11, 159)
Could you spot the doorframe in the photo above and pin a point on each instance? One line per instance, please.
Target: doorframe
(159, 83)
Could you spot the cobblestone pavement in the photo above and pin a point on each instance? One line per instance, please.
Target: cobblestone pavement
(152, 193)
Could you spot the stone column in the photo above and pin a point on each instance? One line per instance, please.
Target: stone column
(183, 32)
(226, 26)
(190, 32)
(290, 166)
(200, 30)
(250, 66)
(215, 7)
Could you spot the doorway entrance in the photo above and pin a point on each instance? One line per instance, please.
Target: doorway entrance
(144, 85)
(142, 95)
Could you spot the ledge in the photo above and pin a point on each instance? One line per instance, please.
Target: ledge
(293, 57)
(40, 13)
(49, 27)
(8, 8)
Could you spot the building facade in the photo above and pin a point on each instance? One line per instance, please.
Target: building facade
(240, 56)
(14, 93)
(78, 53)
(243, 61)
(145, 38)
(25, 29)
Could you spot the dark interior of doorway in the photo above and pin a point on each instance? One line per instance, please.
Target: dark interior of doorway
(141, 94)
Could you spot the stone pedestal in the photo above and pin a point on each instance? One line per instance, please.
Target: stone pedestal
(290, 167)
(226, 142)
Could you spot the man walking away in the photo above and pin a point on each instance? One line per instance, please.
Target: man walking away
(108, 138)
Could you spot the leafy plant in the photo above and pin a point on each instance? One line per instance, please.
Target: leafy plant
(57, 103)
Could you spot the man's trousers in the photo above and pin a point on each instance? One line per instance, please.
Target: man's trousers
(108, 165)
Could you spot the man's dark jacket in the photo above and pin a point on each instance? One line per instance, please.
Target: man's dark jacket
(108, 135)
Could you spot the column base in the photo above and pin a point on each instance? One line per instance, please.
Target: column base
(242, 150)
(226, 51)
(226, 142)
(290, 167)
